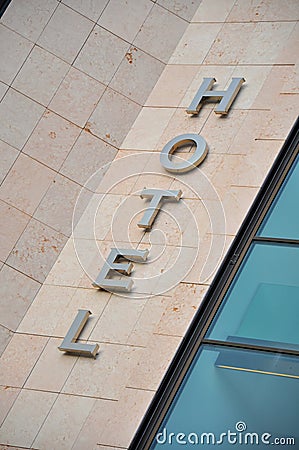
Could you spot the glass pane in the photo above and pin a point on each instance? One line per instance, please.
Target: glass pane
(262, 305)
(229, 390)
(282, 219)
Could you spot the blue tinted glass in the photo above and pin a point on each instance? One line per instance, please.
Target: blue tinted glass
(282, 219)
(262, 305)
(227, 390)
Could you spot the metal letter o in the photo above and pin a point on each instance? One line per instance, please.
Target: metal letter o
(185, 166)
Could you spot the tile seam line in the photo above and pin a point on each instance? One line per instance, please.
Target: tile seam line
(61, 393)
(83, 15)
(25, 274)
(214, 40)
(247, 21)
(37, 220)
(124, 40)
(173, 13)
(25, 37)
(5, 327)
(107, 85)
(140, 389)
(48, 337)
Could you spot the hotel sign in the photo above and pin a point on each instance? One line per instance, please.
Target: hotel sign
(120, 261)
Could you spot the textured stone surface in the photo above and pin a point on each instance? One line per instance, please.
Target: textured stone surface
(101, 95)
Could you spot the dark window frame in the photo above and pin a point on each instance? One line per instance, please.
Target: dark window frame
(3, 5)
(194, 336)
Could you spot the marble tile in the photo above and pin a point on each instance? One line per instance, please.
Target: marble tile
(57, 206)
(257, 162)
(195, 43)
(274, 10)
(238, 199)
(118, 320)
(37, 406)
(89, 8)
(19, 358)
(5, 337)
(137, 75)
(182, 8)
(40, 75)
(52, 140)
(77, 96)
(8, 396)
(67, 270)
(171, 86)
(17, 293)
(101, 46)
(213, 11)
(45, 312)
(65, 33)
(212, 250)
(92, 155)
(181, 123)
(270, 96)
(125, 418)
(14, 55)
(108, 373)
(51, 370)
(245, 11)
(153, 362)
(27, 19)
(8, 155)
(220, 131)
(153, 176)
(91, 299)
(37, 250)
(62, 425)
(152, 37)
(147, 129)
(12, 224)
(148, 320)
(223, 170)
(248, 132)
(123, 223)
(280, 11)
(125, 17)
(291, 85)
(288, 54)
(122, 173)
(26, 184)
(238, 43)
(18, 117)
(255, 77)
(88, 435)
(113, 117)
(181, 308)
(99, 217)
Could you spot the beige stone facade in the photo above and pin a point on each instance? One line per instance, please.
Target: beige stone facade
(91, 91)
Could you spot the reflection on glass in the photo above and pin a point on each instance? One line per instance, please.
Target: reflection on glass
(225, 388)
(262, 305)
(282, 220)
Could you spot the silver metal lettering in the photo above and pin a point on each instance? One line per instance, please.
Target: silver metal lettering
(227, 97)
(111, 267)
(69, 343)
(157, 196)
(184, 166)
